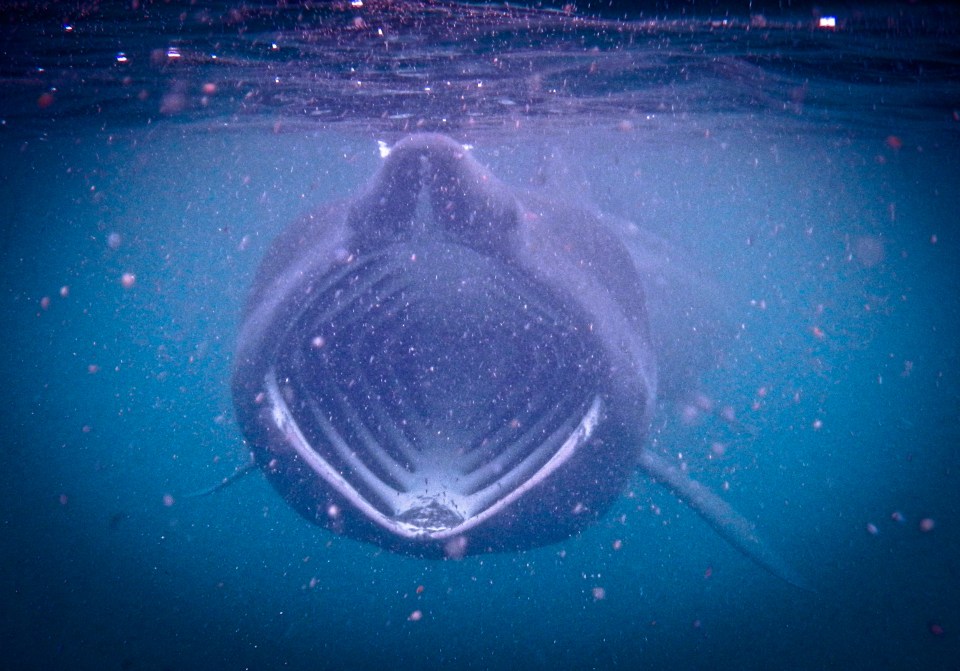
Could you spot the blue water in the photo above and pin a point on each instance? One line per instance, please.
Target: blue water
(823, 226)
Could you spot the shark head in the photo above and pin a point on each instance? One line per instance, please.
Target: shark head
(444, 364)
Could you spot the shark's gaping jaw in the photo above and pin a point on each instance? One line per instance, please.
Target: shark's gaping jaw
(430, 387)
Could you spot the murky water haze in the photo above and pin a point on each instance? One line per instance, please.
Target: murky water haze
(824, 235)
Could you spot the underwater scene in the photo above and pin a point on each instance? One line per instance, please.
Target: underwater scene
(430, 335)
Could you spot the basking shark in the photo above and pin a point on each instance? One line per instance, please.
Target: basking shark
(446, 365)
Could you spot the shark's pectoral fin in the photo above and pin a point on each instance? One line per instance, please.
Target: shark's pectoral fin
(240, 472)
(721, 516)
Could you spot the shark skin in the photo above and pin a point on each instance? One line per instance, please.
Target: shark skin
(445, 365)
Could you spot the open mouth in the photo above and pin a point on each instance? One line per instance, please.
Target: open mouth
(431, 386)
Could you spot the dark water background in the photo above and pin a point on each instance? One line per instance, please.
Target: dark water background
(808, 179)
